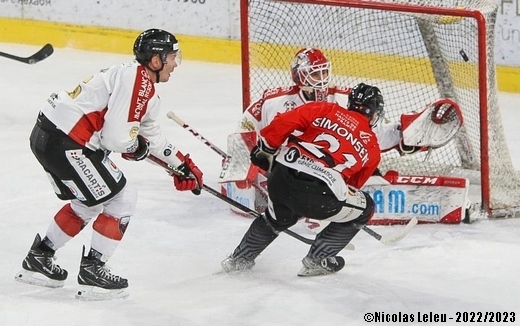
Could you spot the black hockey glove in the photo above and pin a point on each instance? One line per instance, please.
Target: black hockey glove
(262, 156)
(141, 152)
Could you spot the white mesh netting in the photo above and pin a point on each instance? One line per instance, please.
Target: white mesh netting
(414, 58)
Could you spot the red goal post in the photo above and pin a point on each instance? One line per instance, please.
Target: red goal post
(415, 51)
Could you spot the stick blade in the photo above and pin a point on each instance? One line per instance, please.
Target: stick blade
(393, 239)
(44, 52)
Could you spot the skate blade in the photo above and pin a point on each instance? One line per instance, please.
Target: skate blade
(307, 272)
(94, 293)
(38, 279)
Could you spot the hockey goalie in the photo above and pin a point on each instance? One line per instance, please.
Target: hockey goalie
(398, 197)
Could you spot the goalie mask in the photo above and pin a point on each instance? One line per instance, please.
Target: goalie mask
(311, 71)
(156, 41)
(367, 100)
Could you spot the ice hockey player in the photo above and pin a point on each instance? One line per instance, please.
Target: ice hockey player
(318, 173)
(115, 110)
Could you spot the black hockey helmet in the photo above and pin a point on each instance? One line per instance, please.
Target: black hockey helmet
(154, 41)
(367, 100)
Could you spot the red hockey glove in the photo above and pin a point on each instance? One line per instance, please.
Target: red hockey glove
(141, 151)
(192, 179)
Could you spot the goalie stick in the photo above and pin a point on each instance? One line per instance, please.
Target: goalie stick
(386, 240)
(43, 53)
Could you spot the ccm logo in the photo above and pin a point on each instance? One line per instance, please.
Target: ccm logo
(417, 180)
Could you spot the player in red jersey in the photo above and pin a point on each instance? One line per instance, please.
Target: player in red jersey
(316, 173)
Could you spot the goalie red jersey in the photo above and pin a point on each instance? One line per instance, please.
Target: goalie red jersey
(334, 144)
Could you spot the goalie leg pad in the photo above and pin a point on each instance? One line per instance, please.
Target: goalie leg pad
(237, 165)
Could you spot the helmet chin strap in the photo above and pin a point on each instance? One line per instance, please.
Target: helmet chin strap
(157, 80)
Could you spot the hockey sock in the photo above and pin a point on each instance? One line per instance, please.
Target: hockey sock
(257, 238)
(331, 240)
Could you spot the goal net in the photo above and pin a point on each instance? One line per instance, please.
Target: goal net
(415, 51)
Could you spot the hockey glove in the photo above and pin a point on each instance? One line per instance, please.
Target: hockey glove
(192, 179)
(262, 156)
(141, 151)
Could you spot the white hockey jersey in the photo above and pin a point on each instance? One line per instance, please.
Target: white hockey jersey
(108, 110)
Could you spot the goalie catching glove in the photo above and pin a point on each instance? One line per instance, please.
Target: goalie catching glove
(433, 127)
(262, 156)
(141, 152)
(191, 178)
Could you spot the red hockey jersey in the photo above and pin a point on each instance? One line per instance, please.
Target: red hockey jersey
(334, 144)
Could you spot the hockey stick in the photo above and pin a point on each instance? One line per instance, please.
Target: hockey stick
(389, 240)
(174, 171)
(386, 240)
(43, 53)
(214, 147)
(183, 124)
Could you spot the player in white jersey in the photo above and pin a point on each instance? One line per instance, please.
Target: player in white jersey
(311, 73)
(115, 110)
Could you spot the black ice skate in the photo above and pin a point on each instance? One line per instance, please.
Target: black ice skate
(97, 282)
(321, 266)
(38, 268)
(232, 264)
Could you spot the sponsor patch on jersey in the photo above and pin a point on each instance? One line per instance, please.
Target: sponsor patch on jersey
(292, 155)
(142, 93)
(134, 132)
(247, 125)
(365, 137)
(256, 110)
(167, 152)
(289, 106)
(112, 168)
(88, 174)
(74, 189)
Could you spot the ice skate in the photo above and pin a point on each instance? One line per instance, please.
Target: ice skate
(321, 266)
(230, 264)
(97, 281)
(39, 269)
